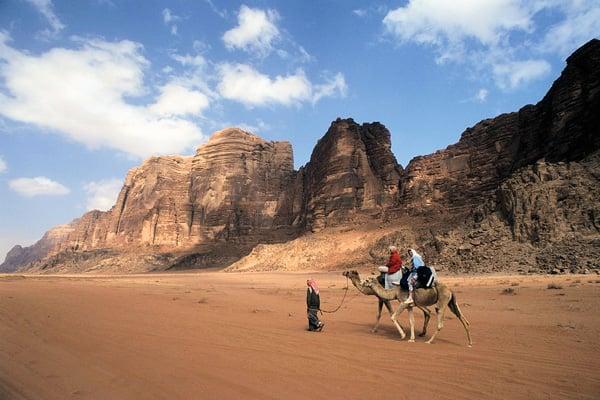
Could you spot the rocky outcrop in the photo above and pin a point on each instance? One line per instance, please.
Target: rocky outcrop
(238, 189)
(563, 126)
(234, 189)
(53, 240)
(519, 190)
(544, 218)
(550, 202)
(352, 168)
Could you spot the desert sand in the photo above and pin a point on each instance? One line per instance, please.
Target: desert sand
(215, 335)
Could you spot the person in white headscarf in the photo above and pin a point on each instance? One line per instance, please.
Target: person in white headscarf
(415, 261)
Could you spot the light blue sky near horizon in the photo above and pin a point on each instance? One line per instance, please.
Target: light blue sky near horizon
(89, 89)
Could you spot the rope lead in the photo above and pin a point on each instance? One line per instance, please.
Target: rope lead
(342, 302)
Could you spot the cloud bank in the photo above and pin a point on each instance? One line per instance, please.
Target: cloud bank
(90, 90)
(38, 186)
(479, 33)
(242, 83)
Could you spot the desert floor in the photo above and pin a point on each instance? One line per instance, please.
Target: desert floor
(214, 335)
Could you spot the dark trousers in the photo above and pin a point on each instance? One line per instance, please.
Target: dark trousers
(313, 319)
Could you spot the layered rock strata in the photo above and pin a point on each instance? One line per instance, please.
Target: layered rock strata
(563, 126)
(233, 189)
(352, 168)
(524, 181)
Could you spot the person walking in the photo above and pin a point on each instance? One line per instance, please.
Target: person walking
(313, 306)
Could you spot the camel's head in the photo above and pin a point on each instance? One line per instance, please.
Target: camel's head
(351, 273)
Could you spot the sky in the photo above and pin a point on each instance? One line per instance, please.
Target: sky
(90, 88)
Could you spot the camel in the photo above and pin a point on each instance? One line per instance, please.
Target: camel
(356, 281)
(440, 295)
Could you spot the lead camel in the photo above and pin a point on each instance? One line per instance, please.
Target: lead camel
(356, 281)
(441, 296)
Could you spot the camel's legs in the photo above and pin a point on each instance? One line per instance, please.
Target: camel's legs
(461, 319)
(426, 318)
(411, 319)
(440, 322)
(389, 307)
(379, 307)
(456, 310)
(395, 321)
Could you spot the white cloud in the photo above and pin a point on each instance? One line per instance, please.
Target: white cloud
(511, 75)
(241, 82)
(220, 13)
(256, 31)
(188, 60)
(102, 195)
(3, 166)
(170, 20)
(581, 24)
(334, 86)
(200, 46)
(449, 22)
(479, 33)
(481, 95)
(38, 186)
(178, 100)
(46, 8)
(90, 88)
(168, 17)
(360, 12)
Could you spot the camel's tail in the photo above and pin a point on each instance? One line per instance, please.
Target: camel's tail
(453, 305)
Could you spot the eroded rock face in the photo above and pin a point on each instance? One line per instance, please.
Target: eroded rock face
(235, 189)
(521, 183)
(545, 217)
(54, 239)
(564, 126)
(238, 187)
(352, 168)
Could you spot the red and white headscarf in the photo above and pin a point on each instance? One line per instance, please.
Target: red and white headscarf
(313, 285)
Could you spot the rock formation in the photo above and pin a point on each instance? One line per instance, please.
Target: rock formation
(563, 126)
(352, 168)
(519, 191)
(232, 190)
(52, 241)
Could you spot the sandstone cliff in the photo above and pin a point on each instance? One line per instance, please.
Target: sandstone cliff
(233, 189)
(519, 192)
(19, 256)
(352, 168)
(563, 126)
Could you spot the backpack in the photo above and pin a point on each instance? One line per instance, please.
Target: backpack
(425, 277)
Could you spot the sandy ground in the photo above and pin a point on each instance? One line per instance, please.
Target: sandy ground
(228, 336)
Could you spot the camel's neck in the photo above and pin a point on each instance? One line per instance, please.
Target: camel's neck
(359, 285)
(386, 294)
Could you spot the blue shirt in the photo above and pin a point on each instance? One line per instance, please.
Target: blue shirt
(417, 262)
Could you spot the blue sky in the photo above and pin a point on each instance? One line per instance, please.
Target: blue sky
(88, 89)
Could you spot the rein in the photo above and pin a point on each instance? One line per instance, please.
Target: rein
(341, 302)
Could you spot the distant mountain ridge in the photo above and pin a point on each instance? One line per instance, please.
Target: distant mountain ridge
(239, 190)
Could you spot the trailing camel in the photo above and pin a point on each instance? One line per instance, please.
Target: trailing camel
(440, 295)
(356, 281)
